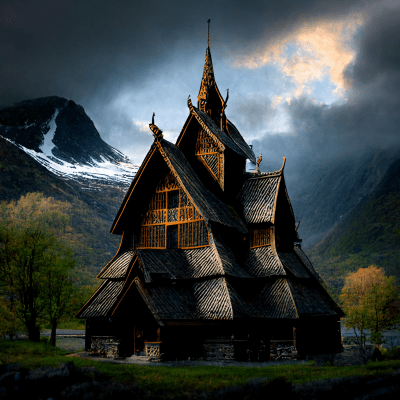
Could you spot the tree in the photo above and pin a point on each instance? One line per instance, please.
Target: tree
(9, 323)
(58, 288)
(365, 298)
(35, 262)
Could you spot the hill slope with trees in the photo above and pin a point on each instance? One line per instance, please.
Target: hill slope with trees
(91, 214)
(370, 234)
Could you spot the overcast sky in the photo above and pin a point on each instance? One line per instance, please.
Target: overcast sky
(307, 79)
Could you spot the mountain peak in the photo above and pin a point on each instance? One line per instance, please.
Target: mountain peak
(59, 134)
(75, 138)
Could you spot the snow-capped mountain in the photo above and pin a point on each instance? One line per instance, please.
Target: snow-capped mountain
(59, 135)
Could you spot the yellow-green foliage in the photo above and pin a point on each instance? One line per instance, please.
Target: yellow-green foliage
(365, 298)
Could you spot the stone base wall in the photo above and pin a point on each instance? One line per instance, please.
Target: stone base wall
(283, 350)
(105, 346)
(218, 350)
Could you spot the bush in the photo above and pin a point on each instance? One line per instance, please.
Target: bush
(393, 354)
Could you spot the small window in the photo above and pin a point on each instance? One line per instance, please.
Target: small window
(260, 237)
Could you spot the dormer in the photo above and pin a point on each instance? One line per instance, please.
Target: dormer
(268, 211)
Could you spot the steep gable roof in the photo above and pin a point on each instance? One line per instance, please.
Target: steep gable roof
(208, 124)
(118, 266)
(209, 206)
(232, 140)
(238, 139)
(259, 195)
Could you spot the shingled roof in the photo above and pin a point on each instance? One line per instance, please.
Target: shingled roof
(102, 302)
(262, 261)
(118, 266)
(258, 197)
(208, 204)
(238, 139)
(210, 207)
(212, 128)
(175, 264)
(216, 282)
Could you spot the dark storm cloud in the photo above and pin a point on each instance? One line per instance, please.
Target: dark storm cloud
(80, 49)
(92, 51)
(369, 120)
(252, 112)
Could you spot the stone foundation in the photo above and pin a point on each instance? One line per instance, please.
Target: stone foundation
(218, 350)
(105, 346)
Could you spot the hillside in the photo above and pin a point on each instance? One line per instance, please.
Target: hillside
(325, 193)
(370, 234)
(50, 145)
(92, 211)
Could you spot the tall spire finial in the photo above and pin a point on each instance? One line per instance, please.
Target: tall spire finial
(208, 37)
(208, 87)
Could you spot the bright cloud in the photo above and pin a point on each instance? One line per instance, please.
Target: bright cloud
(143, 126)
(310, 53)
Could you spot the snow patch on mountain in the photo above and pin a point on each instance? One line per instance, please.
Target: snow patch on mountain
(48, 144)
(104, 172)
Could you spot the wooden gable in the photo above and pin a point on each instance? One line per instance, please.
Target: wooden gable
(171, 219)
(209, 153)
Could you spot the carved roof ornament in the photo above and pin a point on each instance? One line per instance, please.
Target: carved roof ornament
(257, 170)
(156, 131)
(283, 165)
(225, 102)
(189, 103)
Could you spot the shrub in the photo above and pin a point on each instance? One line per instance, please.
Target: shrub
(393, 354)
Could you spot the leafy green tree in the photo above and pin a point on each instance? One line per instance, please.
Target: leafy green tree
(9, 323)
(35, 262)
(365, 298)
(58, 288)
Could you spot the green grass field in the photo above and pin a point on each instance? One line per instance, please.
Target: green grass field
(161, 380)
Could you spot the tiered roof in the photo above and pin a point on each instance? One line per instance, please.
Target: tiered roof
(214, 282)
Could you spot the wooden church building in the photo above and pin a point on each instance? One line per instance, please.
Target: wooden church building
(209, 260)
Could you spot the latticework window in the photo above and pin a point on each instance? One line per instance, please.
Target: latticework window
(193, 234)
(208, 153)
(152, 236)
(260, 237)
(172, 220)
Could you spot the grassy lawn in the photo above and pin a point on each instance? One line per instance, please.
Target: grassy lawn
(161, 380)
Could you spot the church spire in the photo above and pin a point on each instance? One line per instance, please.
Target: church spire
(209, 96)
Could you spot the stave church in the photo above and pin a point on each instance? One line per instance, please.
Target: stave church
(210, 264)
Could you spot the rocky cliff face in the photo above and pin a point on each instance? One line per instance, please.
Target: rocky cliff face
(58, 134)
(75, 138)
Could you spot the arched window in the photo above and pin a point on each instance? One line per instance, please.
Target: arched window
(172, 220)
